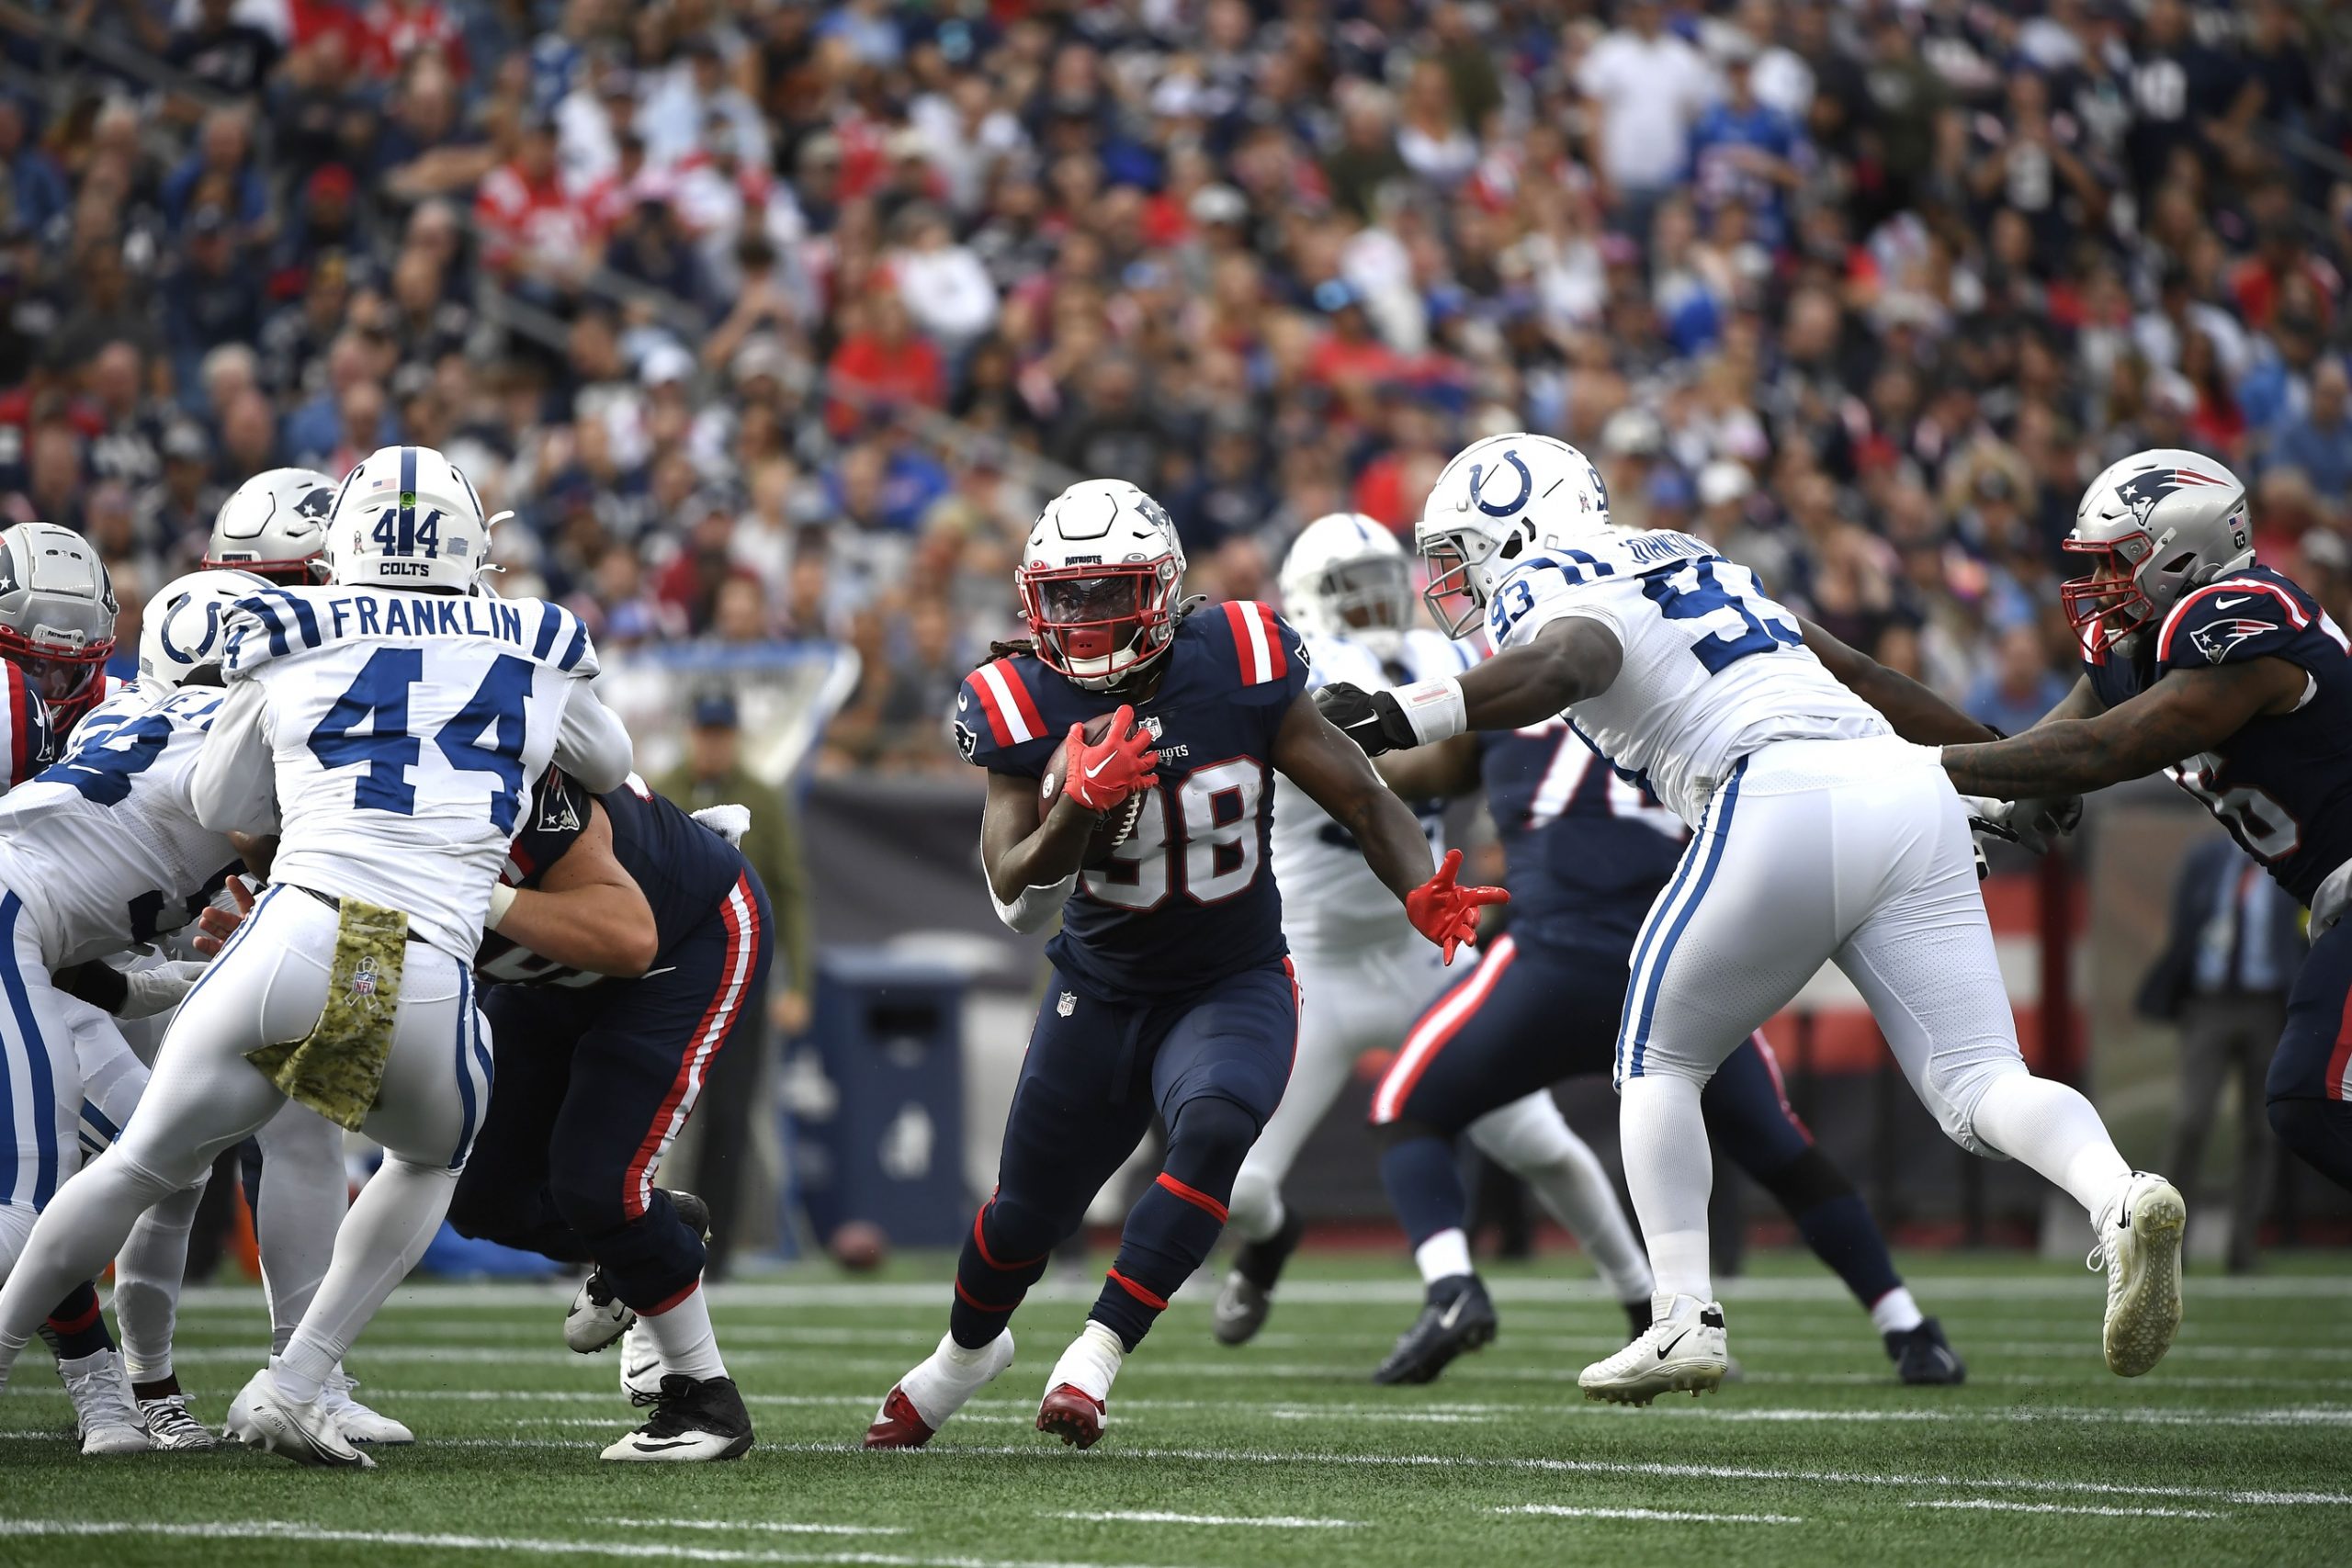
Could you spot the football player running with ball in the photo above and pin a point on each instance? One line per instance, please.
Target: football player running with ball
(1364, 973)
(2229, 676)
(1820, 833)
(1170, 991)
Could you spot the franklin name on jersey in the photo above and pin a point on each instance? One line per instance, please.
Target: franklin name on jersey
(1187, 897)
(2282, 785)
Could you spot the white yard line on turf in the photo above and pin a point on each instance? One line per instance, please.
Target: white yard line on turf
(765, 1527)
(277, 1530)
(1990, 1505)
(1674, 1516)
(1154, 1516)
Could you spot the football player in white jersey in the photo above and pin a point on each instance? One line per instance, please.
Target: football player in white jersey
(98, 855)
(1819, 835)
(388, 728)
(1364, 974)
(272, 529)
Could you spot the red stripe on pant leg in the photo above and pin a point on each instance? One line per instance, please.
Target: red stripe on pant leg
(1422, 1048)
(1157, 1303)
(974, 1303)
(80, 1322)
(1194, 1196)
(1779, 1085)
(2341, 1057)
(743, 932)
(981, 1241)
(666, 1303)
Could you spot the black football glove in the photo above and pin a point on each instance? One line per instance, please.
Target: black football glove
(1373, 720)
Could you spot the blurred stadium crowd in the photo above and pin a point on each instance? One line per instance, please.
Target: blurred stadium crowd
(776, 321)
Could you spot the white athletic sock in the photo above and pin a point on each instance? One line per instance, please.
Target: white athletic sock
(299, 1374)
(1571, 1181)
(2053, 1129)
(298, 1210)
(689, 1345)
(82, 1225)
(1442, 1256)
(1091, 1364)
(386, 1233)
(1671, 1173)
(147, 1276)
(1896, 1313)
(942, 1380)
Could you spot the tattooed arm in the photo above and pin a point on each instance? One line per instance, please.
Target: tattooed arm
(2186, 712)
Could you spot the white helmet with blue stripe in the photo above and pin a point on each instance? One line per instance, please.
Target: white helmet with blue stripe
(1502, 500)
(1346, 576)
(407, 518)
(185, 627)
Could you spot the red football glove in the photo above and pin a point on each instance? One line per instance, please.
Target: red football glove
(1446, 914)
(1103, 774)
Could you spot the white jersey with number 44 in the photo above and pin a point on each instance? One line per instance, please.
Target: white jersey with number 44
(1713, 669)
(401, 732)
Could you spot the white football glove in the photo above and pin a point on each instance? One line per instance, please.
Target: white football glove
(728, 820)
(2036, 824)
(158, 988)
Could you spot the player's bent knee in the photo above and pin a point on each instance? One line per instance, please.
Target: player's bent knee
(1806, 1182)
(2309, 1125)
(1954, 1089)
(1017, 1231)
(1404, 1129)
(590, 1201)
(1210, 1137)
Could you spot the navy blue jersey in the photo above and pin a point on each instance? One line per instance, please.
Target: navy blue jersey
(2282, 785)
(1189, 897)
(1584, 847)
(684, 870)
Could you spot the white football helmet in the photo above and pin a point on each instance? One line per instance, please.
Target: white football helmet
(187, 625)
(275, 526)
(1501, 501)
(1100, 581)
(2155, 525)
(407, 518)
(1347, 575)
(57, 609)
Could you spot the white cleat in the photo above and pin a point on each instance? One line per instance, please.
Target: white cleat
(598, 1316)
(303, 1432)
(2139, 1246)
(170, 1427)
(357, 1423)
(640, 1366)
(104, 1411)
(1683, 1352)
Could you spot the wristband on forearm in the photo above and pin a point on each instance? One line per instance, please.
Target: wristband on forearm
(1435, 708)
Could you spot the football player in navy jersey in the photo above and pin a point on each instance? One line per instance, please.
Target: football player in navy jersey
(1588, 853)
(630, 940)
(1171, 991)
(2225, 673)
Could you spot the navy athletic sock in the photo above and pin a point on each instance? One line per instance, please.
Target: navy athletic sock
(1174, 1226)
(1006, 1253)
(2320, 1131)
(80, 1329)
(1424, 1186)
(1842, 1235)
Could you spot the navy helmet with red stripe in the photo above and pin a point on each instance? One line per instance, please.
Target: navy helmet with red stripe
(2156, 526)
(1100, 581)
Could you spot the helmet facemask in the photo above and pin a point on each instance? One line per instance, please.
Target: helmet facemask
(1368, 599)
(2109, 603)
(1100, 625)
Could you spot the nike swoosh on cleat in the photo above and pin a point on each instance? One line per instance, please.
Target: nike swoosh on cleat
(1670, 1343)
(662, 1448)
(1452, 1312)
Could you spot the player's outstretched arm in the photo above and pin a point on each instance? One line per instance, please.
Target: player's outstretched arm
(1442, 771)
(592, 744)
(587, 913)
(2186, 712)
(233, 785)
(1916, 713)
(1569, 660)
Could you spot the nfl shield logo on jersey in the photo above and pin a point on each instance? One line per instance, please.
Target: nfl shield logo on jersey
(1068, 1005)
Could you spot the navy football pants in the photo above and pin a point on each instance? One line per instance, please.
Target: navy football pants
(1529, 1016)
(592, 1085)
(2310, 1088)
(1212, 1064)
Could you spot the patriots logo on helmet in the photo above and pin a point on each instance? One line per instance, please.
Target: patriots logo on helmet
(2142, 491)
(2216, 640)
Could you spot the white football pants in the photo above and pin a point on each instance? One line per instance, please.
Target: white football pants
(270, 985)
(1855, 853)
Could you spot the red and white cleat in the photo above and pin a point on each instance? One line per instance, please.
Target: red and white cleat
(900, 1426)
(1072, 1415)
(921, 1402)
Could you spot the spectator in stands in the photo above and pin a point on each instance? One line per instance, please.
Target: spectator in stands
(1643, 89)
(232, 57)
(2320, 442)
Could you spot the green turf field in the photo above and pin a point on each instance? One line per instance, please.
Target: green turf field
(2238, 1448)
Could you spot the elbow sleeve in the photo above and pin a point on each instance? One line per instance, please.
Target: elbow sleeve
(593, 745)
(1033, 907)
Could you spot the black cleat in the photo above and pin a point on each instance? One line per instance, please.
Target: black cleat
(1922, 1356)
(1456, 1317)
(692, 1421)
(1248, 1296)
